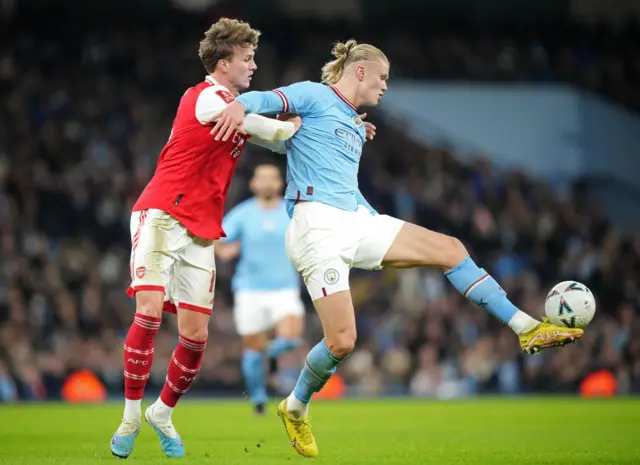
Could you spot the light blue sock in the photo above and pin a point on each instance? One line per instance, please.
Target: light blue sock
(253, 371)
(479, 287)
(281, 344)
(320, 365)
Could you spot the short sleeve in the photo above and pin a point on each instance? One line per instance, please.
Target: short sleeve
(212, 100)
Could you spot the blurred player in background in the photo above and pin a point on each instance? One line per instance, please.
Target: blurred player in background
(174, 225)
(333, 228)
(266, 286)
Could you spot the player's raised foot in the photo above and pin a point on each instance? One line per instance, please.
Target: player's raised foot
(170, 440)
(299, 432)
(124, 438)
(546, 335)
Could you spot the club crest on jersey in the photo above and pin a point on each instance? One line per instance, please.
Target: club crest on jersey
(331, 276)
(357, 121)
(141, 271)
(225, 95)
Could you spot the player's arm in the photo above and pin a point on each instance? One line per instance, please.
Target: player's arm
(214, 100)
(277, 147)
(299, 98)
(228, 248)
(361, 201)
(227, 251)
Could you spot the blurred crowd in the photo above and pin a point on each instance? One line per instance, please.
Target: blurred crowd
(598, 59)
(83, 121)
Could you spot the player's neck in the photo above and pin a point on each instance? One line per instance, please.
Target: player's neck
(348, 91)
(268, 204)
(223, 81)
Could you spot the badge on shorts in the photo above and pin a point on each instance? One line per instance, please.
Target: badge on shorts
(141, 271)
(331, 276)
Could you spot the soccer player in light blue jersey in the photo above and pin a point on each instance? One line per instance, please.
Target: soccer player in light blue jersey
(333, 228)
(266, 286)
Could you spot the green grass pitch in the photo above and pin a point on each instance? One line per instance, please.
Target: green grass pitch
(487, 431)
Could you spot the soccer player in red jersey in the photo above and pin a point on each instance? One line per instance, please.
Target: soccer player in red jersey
(174, 225)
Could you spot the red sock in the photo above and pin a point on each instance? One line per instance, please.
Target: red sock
(183, 368)
(138, 354)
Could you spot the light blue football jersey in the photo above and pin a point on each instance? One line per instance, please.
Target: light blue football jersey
(263, 264)
(323, 157)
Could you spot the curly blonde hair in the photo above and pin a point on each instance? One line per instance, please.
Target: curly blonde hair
(345, 54)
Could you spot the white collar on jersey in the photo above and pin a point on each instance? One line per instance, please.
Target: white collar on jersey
(211, 80)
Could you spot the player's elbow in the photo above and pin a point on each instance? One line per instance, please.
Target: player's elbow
(284, 132)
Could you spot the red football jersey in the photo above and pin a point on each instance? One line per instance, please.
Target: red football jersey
(194, 171)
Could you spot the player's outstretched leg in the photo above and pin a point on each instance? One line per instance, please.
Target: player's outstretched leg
(417, 246)
(138, 356)
(183, 368)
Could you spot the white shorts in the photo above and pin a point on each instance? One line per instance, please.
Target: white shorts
(259, 311)
(166, 257)
(324, 243)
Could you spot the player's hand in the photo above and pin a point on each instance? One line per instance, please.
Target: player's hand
(227, 251)
(228, 120)
(370, 127)
(292, 118)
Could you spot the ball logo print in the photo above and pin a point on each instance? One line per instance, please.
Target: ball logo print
(331, 276)
(564, 310)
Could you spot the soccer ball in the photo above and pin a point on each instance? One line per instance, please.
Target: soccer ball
(570, 304)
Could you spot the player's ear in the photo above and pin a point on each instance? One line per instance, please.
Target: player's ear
(360, 72)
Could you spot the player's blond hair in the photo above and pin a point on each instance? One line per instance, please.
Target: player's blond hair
(346, 54)
(221, 38)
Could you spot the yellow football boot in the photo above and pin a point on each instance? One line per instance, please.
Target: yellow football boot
(299, 432)
(547, 335)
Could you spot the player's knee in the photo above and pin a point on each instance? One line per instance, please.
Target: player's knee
(149, 305)
(342, 343)
(193, 325)
(452, 252)
(195, 332)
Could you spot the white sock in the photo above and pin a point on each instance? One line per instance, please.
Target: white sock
(161, 412)
(132, 410)
(521, 322)
(296, 408)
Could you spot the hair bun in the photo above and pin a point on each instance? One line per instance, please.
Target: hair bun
(342, 50)
(350, 45)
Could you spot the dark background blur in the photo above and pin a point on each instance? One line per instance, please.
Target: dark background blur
(87, 97)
